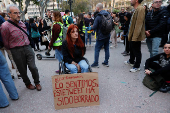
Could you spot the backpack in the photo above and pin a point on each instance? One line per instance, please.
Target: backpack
(64, 32)
(153, 82)
(107, 24)
(64, 20)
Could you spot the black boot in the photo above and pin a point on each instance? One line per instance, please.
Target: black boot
(165, 88)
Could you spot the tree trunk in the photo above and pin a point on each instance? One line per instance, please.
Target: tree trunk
(23, 12)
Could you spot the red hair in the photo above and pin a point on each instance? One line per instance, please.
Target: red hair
(79, 43)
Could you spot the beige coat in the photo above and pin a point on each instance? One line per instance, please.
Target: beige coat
(137, 27)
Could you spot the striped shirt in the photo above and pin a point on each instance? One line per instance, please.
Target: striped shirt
(12, 36)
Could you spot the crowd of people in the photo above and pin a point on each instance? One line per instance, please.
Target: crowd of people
(18, 38)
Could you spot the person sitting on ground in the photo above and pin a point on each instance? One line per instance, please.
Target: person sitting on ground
(73, 50)
(162, 68)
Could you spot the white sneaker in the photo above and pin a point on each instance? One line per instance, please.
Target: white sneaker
(111, 46)
(134, 70)
(128, 63)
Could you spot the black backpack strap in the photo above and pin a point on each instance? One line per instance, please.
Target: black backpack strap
(18, 27)
(29, 38)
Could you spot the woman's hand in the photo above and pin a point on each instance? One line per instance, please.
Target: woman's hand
(148, 72)
(78, 68)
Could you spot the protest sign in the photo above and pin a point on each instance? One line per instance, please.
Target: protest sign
(75, 90)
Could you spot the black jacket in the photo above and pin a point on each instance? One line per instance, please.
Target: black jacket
(156, 22)
(67, 56)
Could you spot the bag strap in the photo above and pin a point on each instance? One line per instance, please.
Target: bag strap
(18, 27)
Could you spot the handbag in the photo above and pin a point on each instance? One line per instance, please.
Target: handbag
(35, 34)
(30, 39)
(44, 38)
(153, 82)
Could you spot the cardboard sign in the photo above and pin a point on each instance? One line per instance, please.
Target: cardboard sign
(75, 90)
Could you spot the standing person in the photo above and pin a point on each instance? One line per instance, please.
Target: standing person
(113, 32)
(6, 79)
(57, 33)
(136, 35)
(48, 23)
(102, 39)
(42, 32)
(3, 49)
(27, 25)
(73, 51)
(34, 28)
(125, 29)
(81, 26)
(17, 41)
(121, 16)
(146, 9)
(156, 21)
(88, 22)
(67, 19)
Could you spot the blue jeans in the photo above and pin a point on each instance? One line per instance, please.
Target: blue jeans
(153, 45)
(58, 55)
(83, 65)
(88, 36)
(6, 79)
(98, 46)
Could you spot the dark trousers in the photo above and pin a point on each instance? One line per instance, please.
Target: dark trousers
(155, 66)
(24, 56)
(135, 53)
(126, 43)
(36, 40)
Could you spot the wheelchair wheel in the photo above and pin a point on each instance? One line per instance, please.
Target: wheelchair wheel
(61, 68)
(90, 69)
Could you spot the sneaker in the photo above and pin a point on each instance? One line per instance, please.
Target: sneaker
(134, 69)
(19, 76)
(105, 64)
(127, 54)
(57, 71)
(165, 88)
(95, 65)
(124, 52)
(111, 46)
(5, 106)
(128, 63)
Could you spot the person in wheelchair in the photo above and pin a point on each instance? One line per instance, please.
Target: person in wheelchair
(73, 50)
(161, 68)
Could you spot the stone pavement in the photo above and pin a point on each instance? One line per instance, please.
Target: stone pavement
(120, 91)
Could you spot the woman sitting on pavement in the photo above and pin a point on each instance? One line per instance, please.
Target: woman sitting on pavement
(162, 68)
(73, 50)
